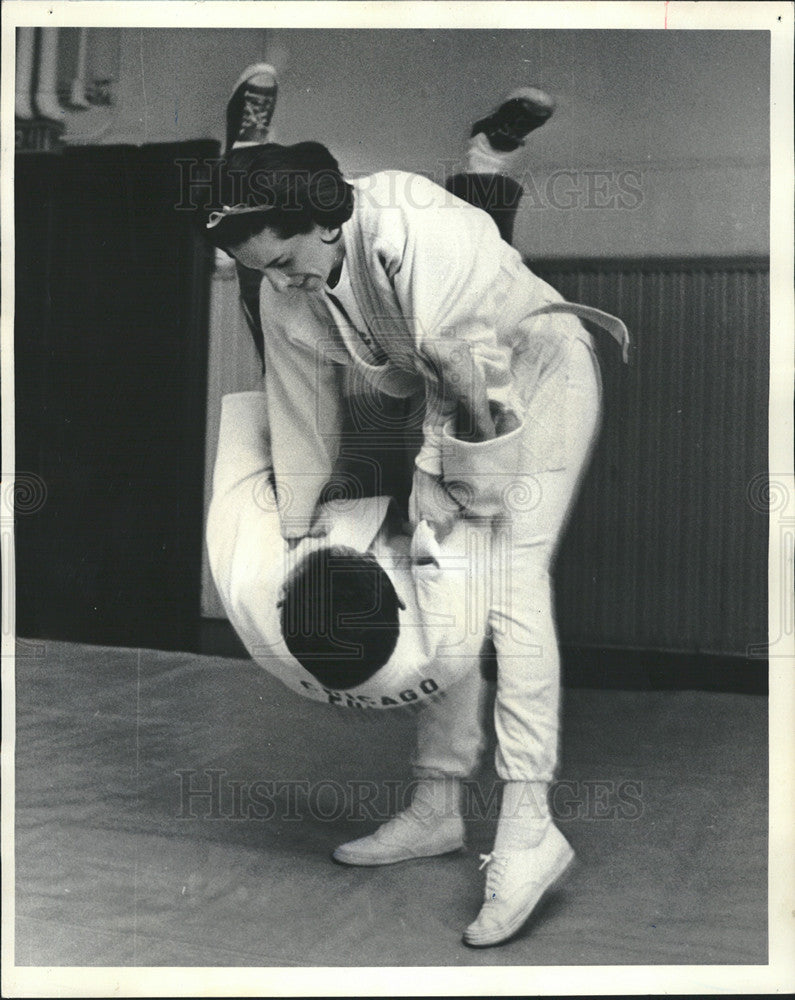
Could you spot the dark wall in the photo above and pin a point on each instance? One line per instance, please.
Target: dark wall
(110, 344)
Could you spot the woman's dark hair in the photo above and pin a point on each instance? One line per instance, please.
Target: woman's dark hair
(297, 186)
(339, 617)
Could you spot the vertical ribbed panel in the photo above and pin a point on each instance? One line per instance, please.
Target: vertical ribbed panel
(665, 550)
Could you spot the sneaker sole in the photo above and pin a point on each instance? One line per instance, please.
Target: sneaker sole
(372, 863)
(255, 70)
(556, 878)
(544, 102)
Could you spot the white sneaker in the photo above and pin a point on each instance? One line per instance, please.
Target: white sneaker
(515, 882)
(402, 838)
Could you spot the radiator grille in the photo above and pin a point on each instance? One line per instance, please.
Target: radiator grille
(665, 550)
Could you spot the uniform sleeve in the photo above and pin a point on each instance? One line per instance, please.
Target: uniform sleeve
(445, 274)
(243, 441)
(244, 542)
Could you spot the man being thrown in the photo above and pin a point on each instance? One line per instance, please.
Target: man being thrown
(348, 619)
(432, 308)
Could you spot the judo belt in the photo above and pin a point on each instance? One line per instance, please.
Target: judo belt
(611, 324)
(604, 321)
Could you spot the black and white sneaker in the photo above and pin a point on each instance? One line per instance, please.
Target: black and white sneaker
(508, 126)
(250, 109)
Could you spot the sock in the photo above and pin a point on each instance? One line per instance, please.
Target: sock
(524, 815)
(482, 159)
(438, 798)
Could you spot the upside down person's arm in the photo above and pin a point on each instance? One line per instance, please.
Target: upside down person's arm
(244, 542)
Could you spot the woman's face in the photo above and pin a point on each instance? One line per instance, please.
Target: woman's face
(303, 261)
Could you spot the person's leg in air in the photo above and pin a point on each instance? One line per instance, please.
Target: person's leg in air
(249, 115)
(495, 154)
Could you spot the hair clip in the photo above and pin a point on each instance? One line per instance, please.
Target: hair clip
(226, 210)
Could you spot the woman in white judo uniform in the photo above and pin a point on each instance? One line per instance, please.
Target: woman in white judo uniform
(413, 295)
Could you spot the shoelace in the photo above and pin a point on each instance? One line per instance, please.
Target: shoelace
(494, 874)
(516, 126)
(520, 140)
(257, 111)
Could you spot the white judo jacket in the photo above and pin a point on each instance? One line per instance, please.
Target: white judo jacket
(432, 278)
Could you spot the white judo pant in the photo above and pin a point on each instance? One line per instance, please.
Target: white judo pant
(521, 615)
